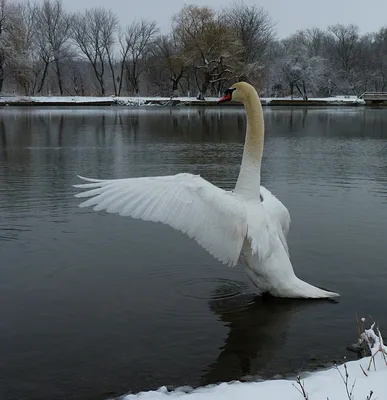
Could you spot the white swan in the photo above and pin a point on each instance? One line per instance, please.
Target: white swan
(248, 223)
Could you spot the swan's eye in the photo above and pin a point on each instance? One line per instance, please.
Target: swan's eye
(227, 96)
(229, 92)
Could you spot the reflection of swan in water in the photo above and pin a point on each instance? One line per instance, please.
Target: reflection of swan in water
(257, 329)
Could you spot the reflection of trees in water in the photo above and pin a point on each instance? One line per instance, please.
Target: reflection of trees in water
(108, 142)
(3, 139)
(257, 331)
(14, 162)
(325, 144)
(333, 122)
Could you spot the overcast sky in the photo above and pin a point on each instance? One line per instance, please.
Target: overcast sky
(290, 15)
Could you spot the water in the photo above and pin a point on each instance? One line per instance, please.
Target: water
(94, 305)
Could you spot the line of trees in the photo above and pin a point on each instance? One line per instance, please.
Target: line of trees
(46, 50)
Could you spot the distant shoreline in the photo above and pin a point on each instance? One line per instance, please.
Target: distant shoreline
(5, 101)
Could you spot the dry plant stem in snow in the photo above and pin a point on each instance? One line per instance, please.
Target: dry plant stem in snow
(301, 388)
(375, 344)
(373, 339)
(346, 381)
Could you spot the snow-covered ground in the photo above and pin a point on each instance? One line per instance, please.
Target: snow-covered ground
(335, 99)
(92, 100)
(143, 100)
(321, 385)
(54, 99)
(350, 381)
(138, 101)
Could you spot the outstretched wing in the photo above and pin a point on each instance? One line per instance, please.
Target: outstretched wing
(215, 218)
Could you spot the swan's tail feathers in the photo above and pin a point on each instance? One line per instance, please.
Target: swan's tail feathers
(318, 293)
(303, 290)
(328, 294)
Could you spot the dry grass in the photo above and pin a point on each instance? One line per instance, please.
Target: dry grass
(370, 341)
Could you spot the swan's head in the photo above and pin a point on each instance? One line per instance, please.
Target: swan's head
(239, 92)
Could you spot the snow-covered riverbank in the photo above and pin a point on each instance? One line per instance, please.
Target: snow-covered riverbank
(321, 385)
(364, 379)
(164, 101)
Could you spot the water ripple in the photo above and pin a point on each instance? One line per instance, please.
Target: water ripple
(201, 288)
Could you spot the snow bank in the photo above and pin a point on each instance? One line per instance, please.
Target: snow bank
(151, 101)
(55, 99)
(355, 379)
(337, 99)
(143, 100)
(94, 100)
(318, 386)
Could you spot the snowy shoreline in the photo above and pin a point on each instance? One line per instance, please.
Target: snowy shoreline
(363, 379)
(166, 101)
(319, 385)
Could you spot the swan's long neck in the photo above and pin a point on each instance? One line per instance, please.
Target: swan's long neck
(249, 179)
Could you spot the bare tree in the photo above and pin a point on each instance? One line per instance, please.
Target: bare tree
(344, 52)
(8, 52)
(168, 65)
(135, 47)
(379, 58)
(255, 29)
(4, 43)
(317, 42)
(24, 43)
(53, 29)
(209, 44)
(296, 70)
(77, 77)
(45, 56)
(94, 32)
(108, 31)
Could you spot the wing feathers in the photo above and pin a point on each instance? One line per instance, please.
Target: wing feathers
(215, 218)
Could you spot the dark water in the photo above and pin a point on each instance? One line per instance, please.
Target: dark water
(95, 305)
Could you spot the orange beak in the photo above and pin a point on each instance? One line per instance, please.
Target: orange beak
(226, 97)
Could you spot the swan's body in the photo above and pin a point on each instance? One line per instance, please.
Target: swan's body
(248, 223)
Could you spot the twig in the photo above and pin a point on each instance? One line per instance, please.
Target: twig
(363, 370)
(301, 390)
(380, 349)
(346, 380)
(370, 395)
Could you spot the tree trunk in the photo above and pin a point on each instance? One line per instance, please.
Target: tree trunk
(175, 81)
(1, 78)
(204, 86)
(99, 76)
(304, 89)
(102, 85)
(133, 77)
(59, 76)
(121, 78)
(300, 91)
(113, 74)
(43, 77)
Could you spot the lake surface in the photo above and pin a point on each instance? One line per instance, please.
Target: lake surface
(94, 305)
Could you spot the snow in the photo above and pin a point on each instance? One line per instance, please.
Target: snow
(139, 101)
(348, 99)
(54, 99)
(318, 386)
(91, 100)
(142, 100)
(335, 99)
(348, 381)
